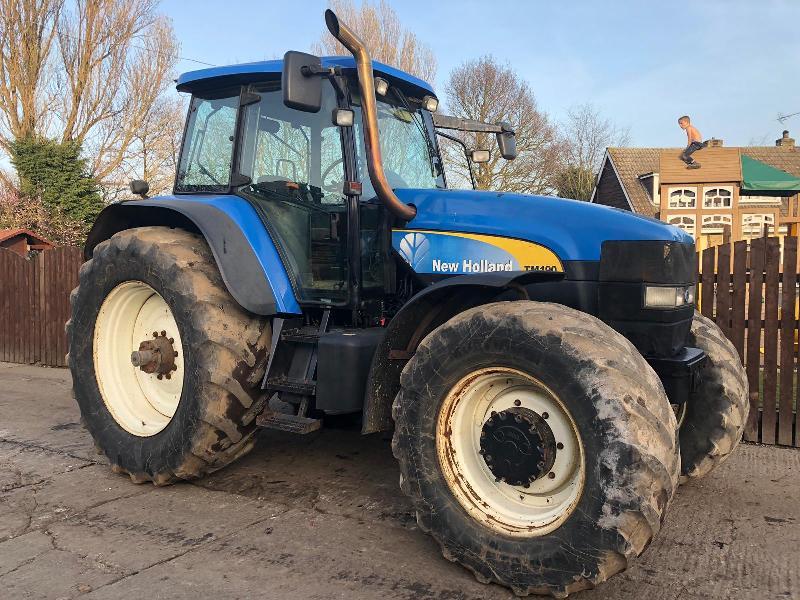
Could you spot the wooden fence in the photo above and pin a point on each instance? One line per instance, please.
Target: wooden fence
(750, 290)
(34, 305)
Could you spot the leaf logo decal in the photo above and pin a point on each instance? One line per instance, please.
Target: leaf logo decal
(414, 247)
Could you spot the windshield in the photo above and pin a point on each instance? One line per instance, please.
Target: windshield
(410, 158)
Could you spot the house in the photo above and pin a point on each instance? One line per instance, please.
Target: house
(22, 241)
(738, 191)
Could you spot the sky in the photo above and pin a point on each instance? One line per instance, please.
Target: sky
(734, 66)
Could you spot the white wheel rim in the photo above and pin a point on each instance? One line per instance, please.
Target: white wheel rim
(140, 402)
(512, 510)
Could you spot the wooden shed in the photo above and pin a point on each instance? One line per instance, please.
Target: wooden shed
(22, 241)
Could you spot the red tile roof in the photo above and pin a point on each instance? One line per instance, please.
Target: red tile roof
(35, 238)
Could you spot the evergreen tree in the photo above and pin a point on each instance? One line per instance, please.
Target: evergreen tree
(56, 173)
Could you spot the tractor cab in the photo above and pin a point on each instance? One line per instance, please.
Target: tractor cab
(291, 137)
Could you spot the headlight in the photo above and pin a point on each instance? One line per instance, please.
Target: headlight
(656, 296)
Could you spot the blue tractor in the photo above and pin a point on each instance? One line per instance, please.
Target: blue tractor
(540, 361)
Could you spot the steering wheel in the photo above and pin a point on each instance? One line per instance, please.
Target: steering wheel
(335, 187)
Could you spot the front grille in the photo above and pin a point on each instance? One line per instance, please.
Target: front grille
(625, 266)
(647, 261)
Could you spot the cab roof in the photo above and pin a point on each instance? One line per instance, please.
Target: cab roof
(268, 69)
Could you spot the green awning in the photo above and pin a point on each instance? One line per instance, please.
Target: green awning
(759, 176)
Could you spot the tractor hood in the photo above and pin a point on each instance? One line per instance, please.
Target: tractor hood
(572, 229)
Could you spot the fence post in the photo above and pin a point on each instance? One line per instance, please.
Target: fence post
(788, 329)
(753, 357)
(770, 374)
(707, 283)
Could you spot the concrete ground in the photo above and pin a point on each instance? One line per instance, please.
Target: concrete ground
(322, 517)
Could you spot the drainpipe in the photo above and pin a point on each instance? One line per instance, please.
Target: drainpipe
(369, 113)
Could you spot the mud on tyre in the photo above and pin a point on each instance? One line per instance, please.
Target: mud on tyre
(158, 289)
(716, 412)
(604, 402)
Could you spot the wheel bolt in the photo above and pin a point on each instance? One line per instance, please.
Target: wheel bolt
(160, 376)
(517, 403)
(545, 415)
(175, 353)
(155, 334)
(171, 340)
(174, 367)
(526, 485)
(168, 376)
(164, 333)
(560, 446)
(551, 475)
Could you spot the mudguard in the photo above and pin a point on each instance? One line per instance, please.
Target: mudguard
(422, 314)
(246, 255)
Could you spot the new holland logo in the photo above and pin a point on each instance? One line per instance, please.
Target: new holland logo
(414, 247)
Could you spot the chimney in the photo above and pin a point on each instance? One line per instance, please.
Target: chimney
(785, 141)
(714, 143)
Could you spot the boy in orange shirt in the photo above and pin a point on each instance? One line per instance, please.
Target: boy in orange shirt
(695, 142)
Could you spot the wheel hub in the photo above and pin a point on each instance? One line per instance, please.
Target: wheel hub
(156, 355)
(518, 446)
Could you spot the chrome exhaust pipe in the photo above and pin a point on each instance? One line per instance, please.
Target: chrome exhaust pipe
(369, 111)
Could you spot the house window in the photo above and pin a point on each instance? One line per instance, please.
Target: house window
(753, 225)
(718, 197)
(684, 222)
(682, 197)
(715, 223)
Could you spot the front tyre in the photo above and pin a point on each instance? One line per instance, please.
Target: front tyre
(166, 366)
(712, 420)
(537, 445)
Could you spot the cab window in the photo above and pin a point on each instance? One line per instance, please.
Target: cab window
(205, 163)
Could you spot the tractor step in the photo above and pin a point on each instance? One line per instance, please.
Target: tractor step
(289, 423)
(292, 386)
(300, 336)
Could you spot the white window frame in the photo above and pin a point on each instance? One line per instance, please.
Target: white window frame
(717, 188)
(686, 222)
(715, 223)
(683, 189)
(759, 220)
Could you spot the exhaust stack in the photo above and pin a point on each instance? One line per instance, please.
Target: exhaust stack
(369, 110)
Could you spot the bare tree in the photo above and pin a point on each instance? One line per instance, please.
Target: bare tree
(111, 82)
(27, 33)
(153, 154)
(485, 90)
(386, 38)
(586, 134)
(90, 71)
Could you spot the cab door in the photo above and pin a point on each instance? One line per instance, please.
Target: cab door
(295, 161)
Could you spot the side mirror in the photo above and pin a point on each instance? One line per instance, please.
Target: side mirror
(300, 81)
(479, 156)
(507, 142)
(140, 187)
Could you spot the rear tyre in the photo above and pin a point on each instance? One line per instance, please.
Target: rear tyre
(537, 446)
(191, 409)
(715, 415)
